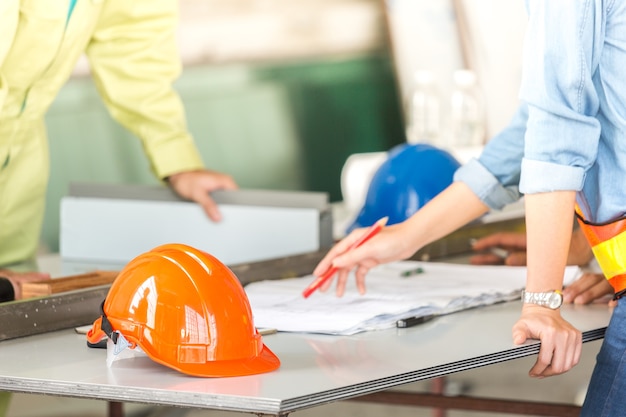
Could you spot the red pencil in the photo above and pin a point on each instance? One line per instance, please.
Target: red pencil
(370, 233)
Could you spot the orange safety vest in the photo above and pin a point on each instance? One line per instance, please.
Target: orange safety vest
(608, 243)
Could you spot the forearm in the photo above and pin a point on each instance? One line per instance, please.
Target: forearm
(456, 206)
(549, 218)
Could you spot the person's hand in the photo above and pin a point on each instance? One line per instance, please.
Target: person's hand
(561, 343)
(588, 288)
(196, 186)
(18, 278)
(512, 242)
(392, 243)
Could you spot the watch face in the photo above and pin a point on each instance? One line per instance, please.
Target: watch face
(555, 300)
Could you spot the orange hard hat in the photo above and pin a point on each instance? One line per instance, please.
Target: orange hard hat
(187, 310)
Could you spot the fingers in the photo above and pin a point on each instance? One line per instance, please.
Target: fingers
(513, 259)
(510, 240)
(486, 259)
(561, 343)
(208, 205)
(557, 354)
(586, 289)
(196, 186)
(339, 248)
(344, 274)
(226, 182)
(506, 248)
(521, 333)
(342, 280)
(346, 258)
(390, 244)
(361, 272)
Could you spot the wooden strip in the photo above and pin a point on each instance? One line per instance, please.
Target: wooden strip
(70, 283)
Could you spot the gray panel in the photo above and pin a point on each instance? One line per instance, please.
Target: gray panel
(41, 315)
(268, 198)
(258, 198)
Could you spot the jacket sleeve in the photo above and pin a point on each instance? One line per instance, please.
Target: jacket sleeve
(134, 61)
(9, 14)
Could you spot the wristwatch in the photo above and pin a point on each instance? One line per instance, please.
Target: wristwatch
(550, 299)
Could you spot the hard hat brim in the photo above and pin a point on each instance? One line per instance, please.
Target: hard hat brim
(266, 361)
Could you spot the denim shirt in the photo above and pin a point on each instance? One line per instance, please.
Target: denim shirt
(569, 132)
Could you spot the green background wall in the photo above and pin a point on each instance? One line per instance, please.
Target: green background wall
(284, 127)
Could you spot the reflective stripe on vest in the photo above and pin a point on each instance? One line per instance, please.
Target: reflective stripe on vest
(608, 243)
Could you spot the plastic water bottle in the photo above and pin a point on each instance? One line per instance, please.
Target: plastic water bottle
(423, 110)
(467, 114)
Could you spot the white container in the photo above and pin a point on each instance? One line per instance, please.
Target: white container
(423, 110)
(467, 112)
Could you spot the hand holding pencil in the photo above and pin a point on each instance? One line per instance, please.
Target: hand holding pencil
(362, 250)
(332, 270)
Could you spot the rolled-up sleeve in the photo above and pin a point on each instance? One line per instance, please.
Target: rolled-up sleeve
(134, 61)
(494, 176)
(562, 132)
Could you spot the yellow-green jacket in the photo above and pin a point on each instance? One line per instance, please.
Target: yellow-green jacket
(132, 52)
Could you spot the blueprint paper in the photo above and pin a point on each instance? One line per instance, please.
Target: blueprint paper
(442, 288)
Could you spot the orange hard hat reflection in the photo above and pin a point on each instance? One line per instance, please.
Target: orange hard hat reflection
(187, 310)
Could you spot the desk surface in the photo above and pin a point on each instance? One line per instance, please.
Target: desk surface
(315, 369)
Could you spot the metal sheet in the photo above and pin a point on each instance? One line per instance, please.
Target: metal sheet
(114, 223)
(46, 314)
(315, 369)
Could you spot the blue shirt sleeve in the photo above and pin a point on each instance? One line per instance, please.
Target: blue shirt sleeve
(494, 176)
(560, 57)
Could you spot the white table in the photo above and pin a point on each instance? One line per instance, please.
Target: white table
(315, 369)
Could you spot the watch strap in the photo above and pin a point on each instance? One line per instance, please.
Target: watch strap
(550, 299)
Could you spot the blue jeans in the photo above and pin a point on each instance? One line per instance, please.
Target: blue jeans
(607, 388)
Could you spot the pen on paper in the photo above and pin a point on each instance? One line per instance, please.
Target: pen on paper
(413, 321)
(411, 272)
(370, 233)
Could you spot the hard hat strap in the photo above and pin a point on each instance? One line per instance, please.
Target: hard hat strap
(106, 325)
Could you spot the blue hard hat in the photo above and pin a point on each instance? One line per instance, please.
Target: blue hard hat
(412, 175)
